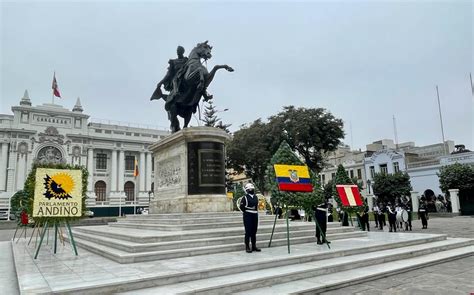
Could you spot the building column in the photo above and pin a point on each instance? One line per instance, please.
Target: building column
(3, 166)
(11, 169)
(370, 202)
(454, 195)
(121, 171)
(142, 171)
(149, 180)
(142, 193)
(414, 201)
(21, 171)
(113, 174)
(91, 197)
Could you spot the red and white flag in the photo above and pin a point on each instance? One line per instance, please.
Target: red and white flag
(55, 87)
(349, 194)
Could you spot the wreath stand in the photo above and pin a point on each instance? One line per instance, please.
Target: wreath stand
(57, 228)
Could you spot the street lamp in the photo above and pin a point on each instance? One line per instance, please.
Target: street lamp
(368, 185)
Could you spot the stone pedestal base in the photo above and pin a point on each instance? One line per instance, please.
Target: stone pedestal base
(190, 172)
(192, 204)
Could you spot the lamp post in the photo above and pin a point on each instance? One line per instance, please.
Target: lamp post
(368, 184)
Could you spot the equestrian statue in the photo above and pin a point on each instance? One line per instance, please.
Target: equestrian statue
(186, 81)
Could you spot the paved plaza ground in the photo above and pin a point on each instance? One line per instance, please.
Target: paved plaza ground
(454, 277)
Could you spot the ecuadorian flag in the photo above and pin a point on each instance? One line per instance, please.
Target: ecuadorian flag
(293, 178)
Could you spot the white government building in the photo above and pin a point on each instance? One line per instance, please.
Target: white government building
(52, 133)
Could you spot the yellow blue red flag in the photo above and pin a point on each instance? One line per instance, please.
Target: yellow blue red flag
(293, 178)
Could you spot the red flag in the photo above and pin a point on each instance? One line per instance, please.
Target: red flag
(55, 87)
(349, 195)
(135, 169)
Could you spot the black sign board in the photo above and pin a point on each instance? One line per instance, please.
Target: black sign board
(206, 168)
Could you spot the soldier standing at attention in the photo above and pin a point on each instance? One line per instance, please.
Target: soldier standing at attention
(320, 214)
(423, 213)
(249, 206)
(392, 217)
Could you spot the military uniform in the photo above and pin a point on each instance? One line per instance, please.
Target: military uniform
(249, 206)
(423, 214)
(320, 214)
(364, 219)
(392, 218)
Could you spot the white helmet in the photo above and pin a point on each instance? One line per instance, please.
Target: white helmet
(249, 186)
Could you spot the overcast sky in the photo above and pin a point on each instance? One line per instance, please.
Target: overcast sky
(363, 61)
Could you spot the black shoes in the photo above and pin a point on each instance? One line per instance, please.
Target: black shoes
(256, 249)
(247, 249)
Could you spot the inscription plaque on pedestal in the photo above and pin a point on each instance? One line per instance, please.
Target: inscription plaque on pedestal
(206, 168)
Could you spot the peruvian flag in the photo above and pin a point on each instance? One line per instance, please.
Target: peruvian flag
(55, 87)
(349, 194)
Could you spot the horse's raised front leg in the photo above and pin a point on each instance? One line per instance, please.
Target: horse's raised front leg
(212, 73)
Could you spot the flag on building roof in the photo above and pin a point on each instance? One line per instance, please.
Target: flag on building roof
(55, 87)
(135, 169)
(350, 195)
(293, 178)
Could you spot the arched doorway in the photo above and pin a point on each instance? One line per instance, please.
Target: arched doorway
(129, 189)
(100, 189)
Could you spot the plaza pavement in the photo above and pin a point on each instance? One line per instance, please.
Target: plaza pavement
(456, 277)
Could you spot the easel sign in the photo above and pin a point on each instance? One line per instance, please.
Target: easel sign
(57, 198)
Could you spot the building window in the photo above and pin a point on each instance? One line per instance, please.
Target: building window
(383, 168)
(129, 189)
(129, 163)
(100, 190)
(359, 173)
(333, 175)
(372, 172)
(396, 167)
(323, 179)
(152, 164)
(352, 173)
(100, 162)
(152, 186)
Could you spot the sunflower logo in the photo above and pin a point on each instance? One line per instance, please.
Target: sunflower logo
(59, 186)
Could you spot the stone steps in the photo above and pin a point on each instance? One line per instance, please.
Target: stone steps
(188, 215)
(153, 236)
(184, 221)
(360, 275)
(158, 225)
(190, 270)
(135, 247)
(122, 256)
(315, 276)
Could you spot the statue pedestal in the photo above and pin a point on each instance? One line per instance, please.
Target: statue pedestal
(190, 172)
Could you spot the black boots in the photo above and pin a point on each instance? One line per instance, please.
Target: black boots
(256, 249)
(247, 249)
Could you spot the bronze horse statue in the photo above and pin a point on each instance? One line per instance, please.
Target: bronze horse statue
(187, 81)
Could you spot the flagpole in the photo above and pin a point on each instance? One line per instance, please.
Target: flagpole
(472, 85)
(441, 120)
(52, 96)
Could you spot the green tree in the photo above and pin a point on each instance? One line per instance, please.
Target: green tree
(249, 152)
(388, 187)
(284, 155)
(456, 176)
(311, 132)
(211, 119)
(210, 114)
